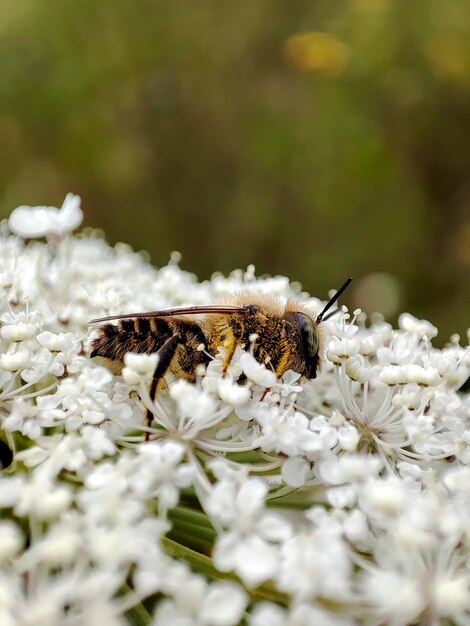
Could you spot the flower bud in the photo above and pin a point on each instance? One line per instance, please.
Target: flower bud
(339, 349)
(17, 332)
(394, 375)
(356, 371)
(15, 362)
(426, 377)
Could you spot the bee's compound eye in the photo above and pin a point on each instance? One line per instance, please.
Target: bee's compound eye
(308, 333)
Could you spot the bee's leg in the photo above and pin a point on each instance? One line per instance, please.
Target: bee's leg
(229, 355)
(165, 356)
(265, 393)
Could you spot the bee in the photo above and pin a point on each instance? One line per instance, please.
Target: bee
(283, 334)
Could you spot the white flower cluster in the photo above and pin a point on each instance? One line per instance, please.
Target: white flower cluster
(343, 501)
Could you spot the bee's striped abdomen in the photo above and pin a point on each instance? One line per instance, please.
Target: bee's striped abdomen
(141, 335)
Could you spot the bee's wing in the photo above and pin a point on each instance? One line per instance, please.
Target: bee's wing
(190, 310)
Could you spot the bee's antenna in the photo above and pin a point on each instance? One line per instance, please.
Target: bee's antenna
(330, 314)
(330, 303)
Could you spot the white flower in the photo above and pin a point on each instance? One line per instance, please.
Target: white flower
(394, 597)
(231, 393)
(192, 402)
(196, 603)
(295, 471)
(17, 332)
(306, 565)
(248, 546)
(398, 348)
(452, 594)
(160, 474)
(342, 349)
(348, 468)
(35, 495)
(24, 417)
(58, 547)
(288, 385)
(384, 499)
(10, 540)
(367, 465)
(356, 370)
(56, 342)
(138, 367)
(422, 376)
(268, 614)
(257, 372)
(96, 443)
(287, 432)
(326, 434)
(394, 375)
(13, 362)
(422, 328)
(42, 221)
(348, 437)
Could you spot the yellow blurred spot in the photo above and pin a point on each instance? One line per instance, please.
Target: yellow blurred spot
(317, 52)
(463, 243)
(449, 58)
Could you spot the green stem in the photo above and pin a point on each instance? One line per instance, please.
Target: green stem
(197, 518)
(194, 525)
(194, 531)
(136, 614)
(190, 541)
(250, 456)
(287, 503)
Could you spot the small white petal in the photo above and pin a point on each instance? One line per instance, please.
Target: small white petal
(421, 328)
(273, 527)
(53, 503)
(70, 213)
(348, 437)
(257, 372)
(143, 364)
(10, 540)
(340, 349)
(254, 560)
(341, 497)
(356, 371)
(394, 597)
(224, 605)
(355, 526)
(394, 375)
(130, 376)
(251, 495)
(295, 471)
(55, 342)
(15, 362)
(232, 393)
(40, 221)
(17, 332)
(452, 595)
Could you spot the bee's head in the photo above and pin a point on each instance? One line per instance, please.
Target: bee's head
(309, 340)
(311, 335)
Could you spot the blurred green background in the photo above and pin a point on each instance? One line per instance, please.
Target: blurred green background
(313, 138)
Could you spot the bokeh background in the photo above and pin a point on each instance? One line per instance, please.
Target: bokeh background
(313, 138)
